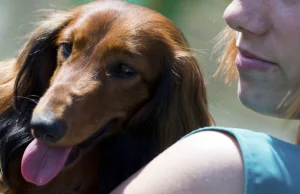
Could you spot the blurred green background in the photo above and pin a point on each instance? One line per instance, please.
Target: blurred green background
(199, 20)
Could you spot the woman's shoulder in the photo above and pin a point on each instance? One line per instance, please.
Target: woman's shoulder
(270, 165)
(220, 160)
(208, 162)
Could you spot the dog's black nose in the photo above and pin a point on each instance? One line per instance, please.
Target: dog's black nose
(48, 130)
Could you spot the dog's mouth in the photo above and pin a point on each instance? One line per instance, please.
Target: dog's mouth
(96, 135)
(41, 163)
(76, 150)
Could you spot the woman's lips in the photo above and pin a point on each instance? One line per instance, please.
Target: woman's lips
(249, 62)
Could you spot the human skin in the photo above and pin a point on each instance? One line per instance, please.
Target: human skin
(269, 30)
(194, 165)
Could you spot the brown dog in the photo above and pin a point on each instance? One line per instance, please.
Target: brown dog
(95, 94)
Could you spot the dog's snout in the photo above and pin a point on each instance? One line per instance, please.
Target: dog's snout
(48, 130)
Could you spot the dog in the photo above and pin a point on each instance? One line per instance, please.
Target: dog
(96, 93)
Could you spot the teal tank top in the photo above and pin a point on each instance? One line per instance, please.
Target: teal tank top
(271, 165)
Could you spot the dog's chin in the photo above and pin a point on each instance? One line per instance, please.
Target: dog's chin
(79, 150)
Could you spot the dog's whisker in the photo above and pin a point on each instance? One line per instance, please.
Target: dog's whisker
(35, 96)
(27, 98)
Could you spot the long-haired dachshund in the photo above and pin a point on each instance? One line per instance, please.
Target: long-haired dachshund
(94, 95)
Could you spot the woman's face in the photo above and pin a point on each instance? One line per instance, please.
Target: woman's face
(268, 39)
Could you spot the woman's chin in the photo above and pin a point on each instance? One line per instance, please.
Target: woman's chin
(261, 103)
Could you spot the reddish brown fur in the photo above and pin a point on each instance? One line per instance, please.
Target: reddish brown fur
(86, 96)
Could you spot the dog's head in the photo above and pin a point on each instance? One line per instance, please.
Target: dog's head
(102, 68)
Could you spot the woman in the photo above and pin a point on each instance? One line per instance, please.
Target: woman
(263, 46)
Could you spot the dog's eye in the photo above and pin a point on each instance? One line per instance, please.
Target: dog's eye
(66, 49)
(122, 70)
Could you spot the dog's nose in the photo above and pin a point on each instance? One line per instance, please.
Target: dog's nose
(48, 130)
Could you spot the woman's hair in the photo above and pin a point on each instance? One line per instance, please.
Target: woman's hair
(225, 43)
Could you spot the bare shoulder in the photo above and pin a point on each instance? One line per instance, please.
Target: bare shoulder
(208, 162)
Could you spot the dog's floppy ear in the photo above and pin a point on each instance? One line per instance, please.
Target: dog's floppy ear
(179, 104)
(37, 60)
(185, 104)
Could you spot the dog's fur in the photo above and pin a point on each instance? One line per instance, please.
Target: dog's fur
(151, 110)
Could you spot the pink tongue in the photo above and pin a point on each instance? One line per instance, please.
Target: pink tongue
(42, 163)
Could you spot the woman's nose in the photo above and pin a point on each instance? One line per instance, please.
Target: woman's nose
(248, 16)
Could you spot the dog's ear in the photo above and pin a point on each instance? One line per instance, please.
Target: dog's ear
(186, 106)
(37, 60)
(179, 104)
